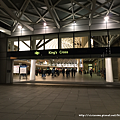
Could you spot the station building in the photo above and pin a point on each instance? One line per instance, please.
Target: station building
(79, 34)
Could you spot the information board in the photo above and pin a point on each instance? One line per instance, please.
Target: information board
(16, 69)
(23, 69)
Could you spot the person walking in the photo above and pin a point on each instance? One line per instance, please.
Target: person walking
(67, 72)
(53, 72)
(74, 71)
(63, 71)
(91, 72)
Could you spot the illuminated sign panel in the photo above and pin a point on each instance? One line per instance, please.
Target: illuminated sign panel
(56, 53)
(52, 52)
(37, 53)
(63, 52)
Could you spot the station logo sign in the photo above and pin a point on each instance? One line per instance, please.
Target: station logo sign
(37, 53)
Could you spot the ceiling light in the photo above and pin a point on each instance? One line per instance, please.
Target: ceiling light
(106, 18)
(44, 23)
(19, 26)
(74, 22)
(2, 31)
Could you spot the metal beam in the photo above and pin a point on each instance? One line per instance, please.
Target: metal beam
(13, 16)
(5, 23)
(92, 12)
(103, 39)
(52, 15)
(42, 16)
(110, 8)
(38, 43)
(21, 13)
(54, 11)
(26, 44)
(38, 12)
(72, 10)
(99, 42)
(44, 43)
(113, 39)
(57, 3)
(76, 11)
(17, 14)
(86, 13)
(107, 8)
(66, 11)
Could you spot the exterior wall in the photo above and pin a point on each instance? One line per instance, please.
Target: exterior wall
(115, 67)
(119, 69)
(5, 63)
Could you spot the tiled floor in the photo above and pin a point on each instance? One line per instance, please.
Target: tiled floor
(77, 78)
(27, 102)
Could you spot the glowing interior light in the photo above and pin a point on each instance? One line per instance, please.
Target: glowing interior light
(45, 62)
(106, 18)
(45, 23)
(74, 22)
(19, 26)
(2, 30)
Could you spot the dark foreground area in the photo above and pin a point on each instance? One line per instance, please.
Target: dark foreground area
(32, 102)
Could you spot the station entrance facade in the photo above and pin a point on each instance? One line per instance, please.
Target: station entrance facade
(98, 45)
(59, 70)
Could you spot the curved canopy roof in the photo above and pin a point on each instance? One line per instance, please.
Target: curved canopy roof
(59, 15)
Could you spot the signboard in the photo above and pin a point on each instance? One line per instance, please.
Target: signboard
(16, 69)
(60, 53)
(23, 69)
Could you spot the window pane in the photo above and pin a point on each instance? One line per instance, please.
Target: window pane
(81, 39)
(66, 40)
(114, 38)
(38, 41)
(24, 43)
(99, 38)
(13, 44)
(51, 41)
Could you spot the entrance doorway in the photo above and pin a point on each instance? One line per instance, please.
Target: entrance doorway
(23, 70)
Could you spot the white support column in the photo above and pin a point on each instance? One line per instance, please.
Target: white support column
(32, 70)
(78, 64)
(33, 62)
(109, 73)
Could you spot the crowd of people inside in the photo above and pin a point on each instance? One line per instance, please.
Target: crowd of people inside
(56, 72)
(66, 72)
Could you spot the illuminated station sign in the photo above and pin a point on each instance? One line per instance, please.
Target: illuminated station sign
(60, 52)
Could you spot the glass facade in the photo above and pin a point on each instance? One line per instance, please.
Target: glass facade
(13, 44)
(81, 39)
(84, 39)
(24, 43)
(37, 42)
(99, 38)
(66, 40)
(51, 41)
(114, 36)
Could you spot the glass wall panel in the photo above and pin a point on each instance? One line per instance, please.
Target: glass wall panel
(99, 38)
(51, 41)
(81, 39)
(114, 38)
(66, 40)
(39, 41)
(13, 44)
(24, 43)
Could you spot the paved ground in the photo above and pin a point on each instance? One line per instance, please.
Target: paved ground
(27, 102)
